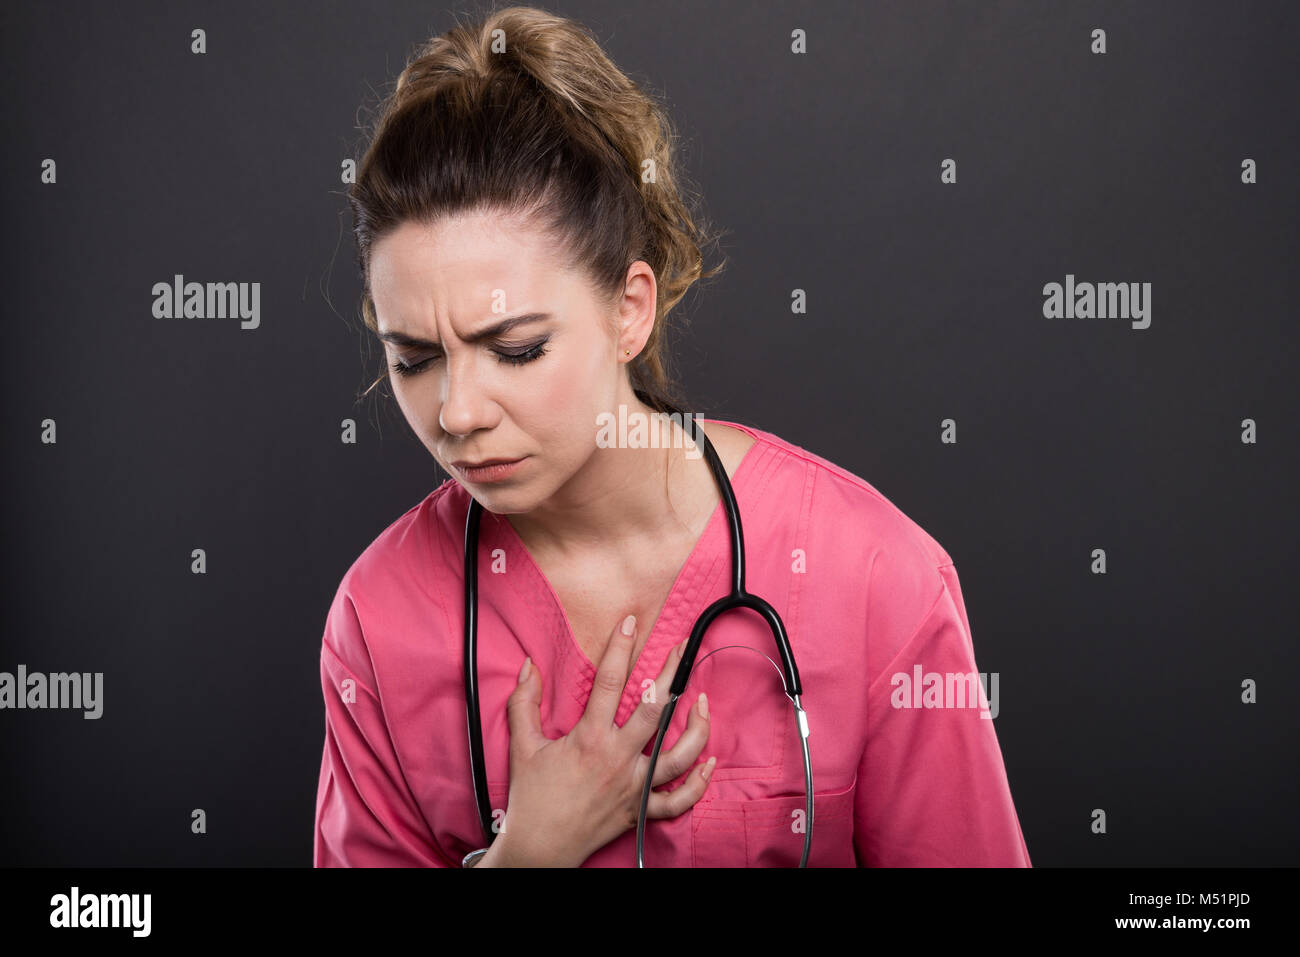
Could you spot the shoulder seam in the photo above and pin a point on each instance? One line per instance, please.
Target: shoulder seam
(826, 465)
(839, 472)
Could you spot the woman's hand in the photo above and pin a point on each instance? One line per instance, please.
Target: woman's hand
(571, 796)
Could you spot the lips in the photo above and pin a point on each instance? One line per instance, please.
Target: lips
(467, 464)
(491, 470)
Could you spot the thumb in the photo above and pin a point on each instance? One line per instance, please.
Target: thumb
(524, 711)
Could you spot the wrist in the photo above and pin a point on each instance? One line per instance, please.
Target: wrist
(503, 853)
(494, 856)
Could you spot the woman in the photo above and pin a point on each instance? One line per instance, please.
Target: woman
(522, 240)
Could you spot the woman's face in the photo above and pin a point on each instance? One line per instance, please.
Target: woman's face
(530, 392)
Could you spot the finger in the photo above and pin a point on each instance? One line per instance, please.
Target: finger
(679, 759)
(611, 677)
(524, 712)
(642, 724)
(679, 800)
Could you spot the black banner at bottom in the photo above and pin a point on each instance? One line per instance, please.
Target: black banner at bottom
(238, 906)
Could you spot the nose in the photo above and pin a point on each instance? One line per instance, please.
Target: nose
(466, 405)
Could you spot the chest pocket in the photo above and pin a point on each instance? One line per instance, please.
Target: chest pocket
(768, 832)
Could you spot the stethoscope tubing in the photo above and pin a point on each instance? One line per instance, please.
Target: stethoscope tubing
(738, 598)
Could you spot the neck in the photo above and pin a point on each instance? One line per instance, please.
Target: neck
(624, 494)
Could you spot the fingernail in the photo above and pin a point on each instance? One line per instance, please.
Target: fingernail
(523, 672)
(702, 705)
(681, 649)
(629, 625)
(707, 770)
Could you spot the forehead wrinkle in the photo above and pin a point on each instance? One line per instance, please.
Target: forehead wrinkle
(488, 331)
(510, 260)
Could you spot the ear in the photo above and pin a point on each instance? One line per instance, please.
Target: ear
(636, 310)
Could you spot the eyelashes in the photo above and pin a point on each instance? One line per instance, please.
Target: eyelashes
(530, 354)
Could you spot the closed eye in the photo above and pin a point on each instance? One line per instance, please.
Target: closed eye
(518, 357)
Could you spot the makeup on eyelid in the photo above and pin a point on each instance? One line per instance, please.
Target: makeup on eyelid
(530, 354)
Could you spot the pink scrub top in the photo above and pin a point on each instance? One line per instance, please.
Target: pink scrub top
(870, 603)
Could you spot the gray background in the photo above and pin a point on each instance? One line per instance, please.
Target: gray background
(1119, 692)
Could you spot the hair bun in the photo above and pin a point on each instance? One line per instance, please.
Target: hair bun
(524, 111)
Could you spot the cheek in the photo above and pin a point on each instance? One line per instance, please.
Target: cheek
(418, 400)
(565, 388)
(562, 405)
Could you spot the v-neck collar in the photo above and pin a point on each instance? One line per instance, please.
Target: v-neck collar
(708, 561)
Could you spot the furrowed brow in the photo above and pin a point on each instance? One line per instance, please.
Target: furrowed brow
(492, 331)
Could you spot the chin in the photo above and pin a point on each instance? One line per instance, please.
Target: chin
(502, 501)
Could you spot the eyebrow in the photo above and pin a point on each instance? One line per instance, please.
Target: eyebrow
(505, 325)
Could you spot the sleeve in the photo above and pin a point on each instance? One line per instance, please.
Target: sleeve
(366, 815)
(933, 790)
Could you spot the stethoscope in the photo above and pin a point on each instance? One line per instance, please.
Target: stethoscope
(739, 598)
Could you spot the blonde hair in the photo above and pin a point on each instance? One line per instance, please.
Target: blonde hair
(522, 112)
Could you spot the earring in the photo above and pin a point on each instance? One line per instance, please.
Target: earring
(627, 352)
